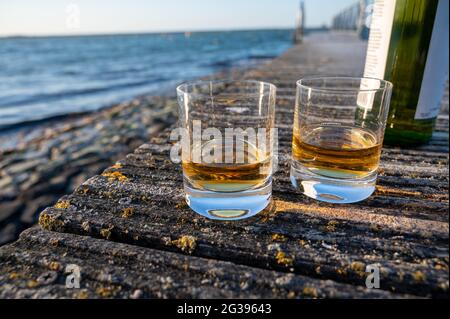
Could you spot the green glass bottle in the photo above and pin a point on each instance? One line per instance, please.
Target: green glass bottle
(409, 46)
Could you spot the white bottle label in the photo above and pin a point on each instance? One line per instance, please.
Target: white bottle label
(436, 69)
(380, 38)
(377, 49)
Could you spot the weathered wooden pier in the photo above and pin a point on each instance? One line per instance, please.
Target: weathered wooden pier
(131, 234)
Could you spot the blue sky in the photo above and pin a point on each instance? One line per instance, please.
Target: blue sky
(59, 17)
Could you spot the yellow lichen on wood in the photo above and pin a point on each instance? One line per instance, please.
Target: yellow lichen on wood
(331, 226)
(186, 243)
(419, 276)
(117, 166)
(63, 204)
(341, 271)
(81, 295)
(49, 222)
(310, 292)
(267, 216)
(182, 205)
(115, 176)
(441, 266)
(54, 242)
(55, 266)
(278, 238)
(282, 259)
(359, 268)
(32, 283)
(106, 232)
(127, 212)
(302, 242)
(291, 295)
(15, 275)
(105, 292)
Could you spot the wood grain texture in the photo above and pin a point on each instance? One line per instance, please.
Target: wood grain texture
(132, 224)
(112, 270)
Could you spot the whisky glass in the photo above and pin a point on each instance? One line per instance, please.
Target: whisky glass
(228, 147)
(339, 126)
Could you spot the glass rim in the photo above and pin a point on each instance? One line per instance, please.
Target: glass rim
(182, 88)
(384, 85)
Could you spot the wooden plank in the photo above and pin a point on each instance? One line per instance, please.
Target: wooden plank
(385, 230)
(29, 269)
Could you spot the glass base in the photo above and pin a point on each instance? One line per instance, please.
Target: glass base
(229, 206)
(331, 190)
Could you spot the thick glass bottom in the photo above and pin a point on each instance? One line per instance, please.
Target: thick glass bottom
(229, 206)
(331, 190)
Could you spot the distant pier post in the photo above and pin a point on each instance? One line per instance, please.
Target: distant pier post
(300, 27)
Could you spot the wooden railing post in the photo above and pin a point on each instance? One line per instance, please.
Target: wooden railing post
(354, 18)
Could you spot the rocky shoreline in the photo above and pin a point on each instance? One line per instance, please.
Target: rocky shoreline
(39, 165)
(50, 162)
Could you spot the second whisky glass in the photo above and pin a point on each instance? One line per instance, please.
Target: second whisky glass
(228, 148)
(339, 126)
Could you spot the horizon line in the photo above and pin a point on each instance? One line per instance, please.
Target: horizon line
(113, 33)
